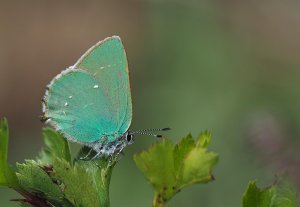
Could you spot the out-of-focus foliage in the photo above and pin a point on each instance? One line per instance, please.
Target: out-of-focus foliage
(280, 194)
(7, 175)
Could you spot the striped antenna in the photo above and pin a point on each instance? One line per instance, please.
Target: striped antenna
(148, 132)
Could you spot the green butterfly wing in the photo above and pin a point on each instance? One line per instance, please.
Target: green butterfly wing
(92, 98)
(107, 62)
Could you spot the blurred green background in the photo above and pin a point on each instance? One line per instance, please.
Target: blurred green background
(231, 67)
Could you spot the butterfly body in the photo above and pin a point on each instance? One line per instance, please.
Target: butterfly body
(90, 102)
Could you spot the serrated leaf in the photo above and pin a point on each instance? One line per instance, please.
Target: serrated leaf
(7, 175)
(34, 179)
(85, 182)
(198, 166)
(182, 149)
(281, 194)
(56, 146)
(157, 164)
(170, 167)
(204, 139)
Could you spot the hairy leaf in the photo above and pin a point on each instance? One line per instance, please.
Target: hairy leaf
(35, 180)
(85, 182)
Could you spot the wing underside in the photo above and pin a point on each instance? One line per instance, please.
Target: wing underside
(92, 98)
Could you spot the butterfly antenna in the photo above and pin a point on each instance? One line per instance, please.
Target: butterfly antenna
(148, 132)
(154, 130)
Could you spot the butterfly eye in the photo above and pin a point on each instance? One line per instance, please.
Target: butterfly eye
(129, 137)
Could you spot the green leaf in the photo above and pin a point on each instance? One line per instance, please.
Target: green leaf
(157, 164)
(86, 183)
(22, 204)
(204, 139)
(34, 179)
(7, 175)
(169, 167)
(280, 194)
(56, 146)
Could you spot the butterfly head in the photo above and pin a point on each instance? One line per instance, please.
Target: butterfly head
(129, 138)
(117, 146)
(149, 132)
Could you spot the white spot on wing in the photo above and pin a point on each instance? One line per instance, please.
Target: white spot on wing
(66, 104)
(70, 96)
(96, 86)
(102, 67)
(87, 105)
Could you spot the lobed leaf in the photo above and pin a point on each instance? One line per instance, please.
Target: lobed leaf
(204, 139)
(169, 167)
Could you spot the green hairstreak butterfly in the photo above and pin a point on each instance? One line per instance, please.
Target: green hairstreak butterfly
(90, 102)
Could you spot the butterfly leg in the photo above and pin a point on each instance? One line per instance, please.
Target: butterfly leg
(119, 155)
(87, 155)
(115, 158)
(97, 155)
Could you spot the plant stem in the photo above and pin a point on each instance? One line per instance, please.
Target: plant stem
(106, 167)
(158, 200)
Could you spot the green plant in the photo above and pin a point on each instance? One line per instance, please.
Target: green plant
(280, 194)
(57, 179)
(169, 167)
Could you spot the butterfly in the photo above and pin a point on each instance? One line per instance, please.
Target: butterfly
(90, 102)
